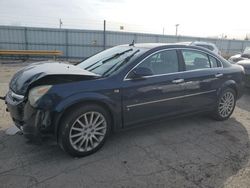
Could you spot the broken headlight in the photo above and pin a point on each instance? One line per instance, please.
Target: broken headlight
(37, 92)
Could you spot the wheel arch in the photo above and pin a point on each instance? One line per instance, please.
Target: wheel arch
(104, 104)
(230, 84)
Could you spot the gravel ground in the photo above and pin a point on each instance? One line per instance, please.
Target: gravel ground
(186, 152)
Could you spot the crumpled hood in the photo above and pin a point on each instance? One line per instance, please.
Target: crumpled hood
(36, 71)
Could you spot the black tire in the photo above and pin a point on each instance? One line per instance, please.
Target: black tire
(216, 114)
(64, 138)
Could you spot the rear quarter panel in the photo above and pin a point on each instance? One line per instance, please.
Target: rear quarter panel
(234, 78)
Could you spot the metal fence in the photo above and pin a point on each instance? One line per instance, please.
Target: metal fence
(80, 44)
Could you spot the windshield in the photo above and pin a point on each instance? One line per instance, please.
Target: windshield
(247, 50)
(109, 61)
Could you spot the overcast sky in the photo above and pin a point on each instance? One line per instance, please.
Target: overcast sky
(196, 17)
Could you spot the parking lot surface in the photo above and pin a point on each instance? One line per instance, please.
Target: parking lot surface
(187, 152)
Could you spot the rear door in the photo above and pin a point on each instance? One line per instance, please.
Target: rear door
(202, 77)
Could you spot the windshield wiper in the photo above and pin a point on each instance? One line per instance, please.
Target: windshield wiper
(121, 64)
(117, 55)
(108, 59)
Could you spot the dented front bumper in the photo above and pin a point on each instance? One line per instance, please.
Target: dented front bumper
(33, 122)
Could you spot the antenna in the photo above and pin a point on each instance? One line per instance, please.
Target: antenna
(133, 43)
(60, 23)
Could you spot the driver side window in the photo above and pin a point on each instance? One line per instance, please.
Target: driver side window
(162, 62)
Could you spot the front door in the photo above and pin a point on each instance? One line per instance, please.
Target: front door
(157, 95)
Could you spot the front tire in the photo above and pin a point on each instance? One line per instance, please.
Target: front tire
(84, 130)
(225, 105)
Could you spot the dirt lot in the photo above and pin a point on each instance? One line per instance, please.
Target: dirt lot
(187, 152)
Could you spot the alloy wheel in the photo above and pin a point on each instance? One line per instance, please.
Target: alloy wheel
(226, 104)
(88, 131)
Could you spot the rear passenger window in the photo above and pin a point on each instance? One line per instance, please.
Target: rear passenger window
(195, 60)
(213, 62)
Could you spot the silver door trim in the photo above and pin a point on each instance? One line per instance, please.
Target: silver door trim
(172, 98)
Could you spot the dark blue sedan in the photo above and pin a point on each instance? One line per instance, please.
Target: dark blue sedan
(118, 88)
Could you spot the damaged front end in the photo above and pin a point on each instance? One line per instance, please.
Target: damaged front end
(31, 113)
(30, 120)
(31, 97)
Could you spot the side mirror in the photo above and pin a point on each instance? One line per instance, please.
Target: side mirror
(140, 72)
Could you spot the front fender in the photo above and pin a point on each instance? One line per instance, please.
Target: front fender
(81, 97)
(114, 106)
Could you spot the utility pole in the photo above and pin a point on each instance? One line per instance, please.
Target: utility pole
(163, 31)
(60, 23)
(104, 34)
(176, 29)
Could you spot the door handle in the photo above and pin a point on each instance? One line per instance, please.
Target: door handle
(178, 81)
(219, 75)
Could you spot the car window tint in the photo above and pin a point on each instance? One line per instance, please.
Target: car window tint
(162, 62)
(195, 60)
(213, 61)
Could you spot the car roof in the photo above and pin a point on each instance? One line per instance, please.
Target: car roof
(203, 43)
(197, 43)
(154, 45)
(149, 46)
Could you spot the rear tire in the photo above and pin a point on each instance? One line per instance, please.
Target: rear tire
(225, 105)
(84, 130)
